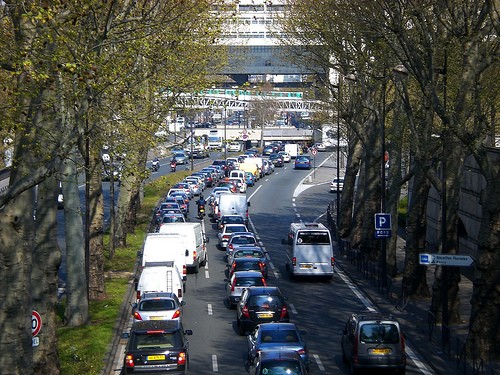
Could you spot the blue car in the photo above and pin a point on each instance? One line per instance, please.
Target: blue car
(249, 179)
(302, 162)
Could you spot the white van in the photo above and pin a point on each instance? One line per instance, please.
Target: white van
(237, 173)
(233, 204)
(193, 240)
(164, 277)
(159, 248)
(310, 250)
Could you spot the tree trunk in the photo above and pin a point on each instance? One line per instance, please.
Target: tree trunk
(96, 246)
(77, 307)
(44, 277)
(484, 331)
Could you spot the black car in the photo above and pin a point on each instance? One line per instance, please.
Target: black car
(157, 346)
(276, 159)
(260, 305)
(277, 362)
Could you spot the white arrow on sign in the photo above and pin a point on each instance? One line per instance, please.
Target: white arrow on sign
(453, 260)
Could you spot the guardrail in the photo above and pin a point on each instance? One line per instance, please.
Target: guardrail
(4, 180)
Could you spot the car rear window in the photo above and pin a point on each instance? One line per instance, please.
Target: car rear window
(264, 301)
(248, 254)
(379, 333)
(232, 220)
(235, 229)
(281, 368)
(157, 305)
(280, 336)
(243, 240)
(317, 238)
(240, 266)
(156, 341)
(249, 281)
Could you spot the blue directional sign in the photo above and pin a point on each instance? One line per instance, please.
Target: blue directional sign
(454, 260)
(383, 225)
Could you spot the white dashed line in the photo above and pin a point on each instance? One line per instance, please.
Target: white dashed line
(318, 362)
(292, 308)
(210, 310)
(215, 366)
(271, 265)
(207, 274)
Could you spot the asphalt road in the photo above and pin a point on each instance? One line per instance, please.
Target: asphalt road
(318, 307)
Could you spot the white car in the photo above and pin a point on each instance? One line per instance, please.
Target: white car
(286, 156)
(337, 182)
(234, 147)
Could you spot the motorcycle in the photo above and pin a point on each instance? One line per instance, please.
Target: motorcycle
(173, 166)
(155, 166)
(201, 211)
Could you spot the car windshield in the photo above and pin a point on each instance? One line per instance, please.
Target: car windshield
(249, 281)
(281, 336)
(156, 341)
(281, 368)
(157, 305)
(379, 333)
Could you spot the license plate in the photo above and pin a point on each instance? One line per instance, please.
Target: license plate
(266, 315)
(156, 357)
(381, 351)
(157, 318)
(306, 266)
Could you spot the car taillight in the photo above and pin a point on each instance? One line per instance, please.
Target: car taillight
(226, 236)
(333, 262)
(184, 270)
(177, 314)
(261, 266)
(294, 261)
(284, 312)
(231, 247)
(129, 361)
(264, 282)
(181, 359)
(301, 351)
(245, 312)
(138, 294)
(194, 256)
(403, 343)
(233, 285)
(137, 316)
(179, 292)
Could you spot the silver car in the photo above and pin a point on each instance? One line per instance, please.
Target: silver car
(157, 306)
(250, 252)
(238, 282)
(237, 239)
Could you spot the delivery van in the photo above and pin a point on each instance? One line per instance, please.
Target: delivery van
(194, 242)
(164, 277)
(249, 166)
(233, 204)
(293, 149)
(159, 248)
(309, 250)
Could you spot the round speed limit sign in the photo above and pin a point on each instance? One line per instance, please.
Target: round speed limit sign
(36, 323)
(314, 151)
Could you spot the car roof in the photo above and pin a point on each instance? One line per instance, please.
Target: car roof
(248, 248)
(255, 290)
(269, 355)
(241, 260)
(275, 326)
(242, 234)
(247, 274)
(154, 295)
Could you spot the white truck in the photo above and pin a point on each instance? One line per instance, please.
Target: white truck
(293, 149)
(164, 277)
(215, 140)
(193, 241)
(309, 250)
(233, 204)
(159, 248)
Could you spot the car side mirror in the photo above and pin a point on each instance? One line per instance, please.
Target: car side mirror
(248, 204)
(226, 280)
(188, 332)
(133, 305)
(283, 241)
(183, 303)
(139, 253)
(125, 335)
(207, 240)
(187, 252)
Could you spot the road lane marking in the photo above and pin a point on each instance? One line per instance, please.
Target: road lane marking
(207, 274)
(421, 366)
(271, 265)
(210, 310)
(215, 366)
(292, 308)
(318, 362)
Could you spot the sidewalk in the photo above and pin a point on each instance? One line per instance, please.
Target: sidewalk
(424, 337)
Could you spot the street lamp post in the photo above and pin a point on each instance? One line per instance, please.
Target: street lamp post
(339, 97)
(383, 247)
(192, 142)
(225, 134)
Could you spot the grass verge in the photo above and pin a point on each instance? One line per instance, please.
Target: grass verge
(82, 350)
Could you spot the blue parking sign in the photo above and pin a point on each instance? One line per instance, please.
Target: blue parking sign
(382, 221)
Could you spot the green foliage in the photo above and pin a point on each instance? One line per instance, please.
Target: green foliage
(403, 211)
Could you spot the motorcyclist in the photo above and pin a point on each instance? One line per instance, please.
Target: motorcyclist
(173, 165)
(201, 203)
(155, 164)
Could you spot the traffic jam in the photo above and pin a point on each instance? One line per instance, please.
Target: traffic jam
(177, 248)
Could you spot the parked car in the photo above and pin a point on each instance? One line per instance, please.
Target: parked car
(282, 336)
(156, 346)
(250, 252)
(239, 281)
(337, 183)
(373, 341)
(302, 162)
(227, 231)
(260, 305)
(277, 362)
(157, 306)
